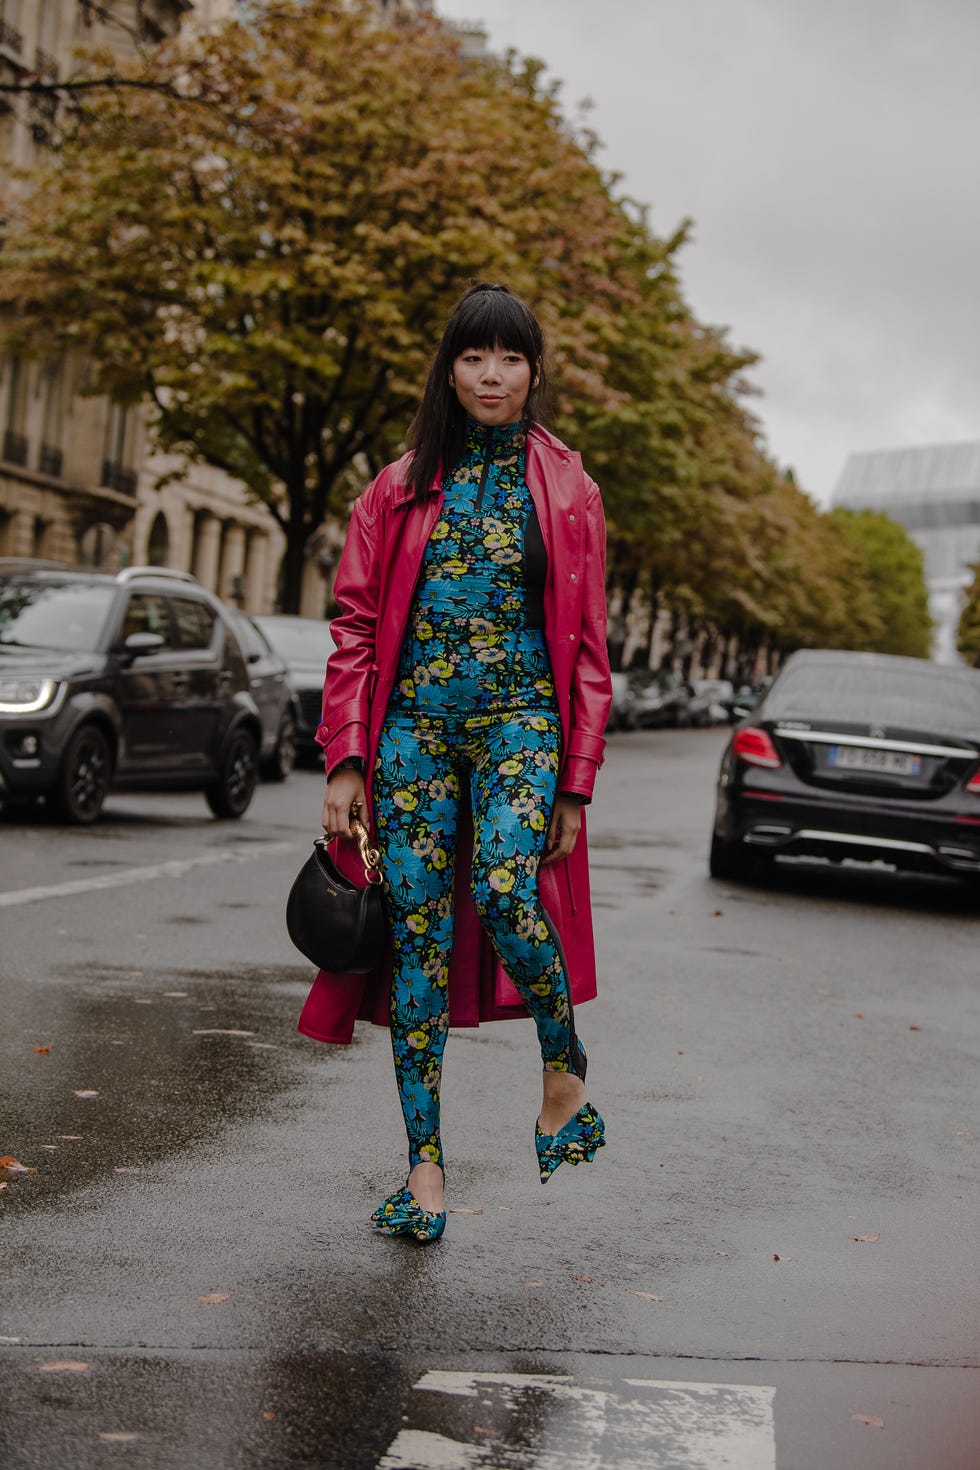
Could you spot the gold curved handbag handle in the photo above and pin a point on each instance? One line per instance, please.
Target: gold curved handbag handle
(370, 856)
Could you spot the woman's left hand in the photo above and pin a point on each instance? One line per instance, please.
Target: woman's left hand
(566, 822)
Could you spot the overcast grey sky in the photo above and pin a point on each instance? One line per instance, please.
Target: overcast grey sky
(829, 154)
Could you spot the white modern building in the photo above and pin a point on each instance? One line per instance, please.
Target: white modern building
(934, 492)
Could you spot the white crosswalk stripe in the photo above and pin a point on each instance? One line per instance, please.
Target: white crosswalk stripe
(538, 1421)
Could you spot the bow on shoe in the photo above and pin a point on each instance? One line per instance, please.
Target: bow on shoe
(401, 1214)
(578, 1142)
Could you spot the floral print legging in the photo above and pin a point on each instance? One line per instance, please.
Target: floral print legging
(424, 762)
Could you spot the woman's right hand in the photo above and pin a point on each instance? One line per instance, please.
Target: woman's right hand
(343, 788)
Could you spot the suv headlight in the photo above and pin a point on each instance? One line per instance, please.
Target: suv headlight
(26, 696)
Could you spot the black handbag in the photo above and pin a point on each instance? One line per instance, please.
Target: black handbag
(333, 922)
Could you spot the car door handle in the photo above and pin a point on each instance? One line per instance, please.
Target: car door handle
(180, 681)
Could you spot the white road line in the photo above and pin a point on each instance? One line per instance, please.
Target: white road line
(537, 1421)
(174, 868)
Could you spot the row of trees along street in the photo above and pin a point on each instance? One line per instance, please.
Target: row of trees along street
(258, 230)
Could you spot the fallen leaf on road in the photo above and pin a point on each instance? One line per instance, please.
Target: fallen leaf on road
(462, 1210)
(85, 1092)
(126, 1169)
(592, 1280)
(117, 1436)
(213, 1297)
(717, 913)
(646, 1295)
(71, 1137)
(915, 1028)
(4, 1184)
(177, 994)
(51, 1148)
(68, 1366)
(479, 1429)
(14, 1166)
(268, 1414)
(784, 1258)
(722, 1253)
(868, 1419)
(220, 1031)
(43, 1050)
(867, 1239)
(859, 1015)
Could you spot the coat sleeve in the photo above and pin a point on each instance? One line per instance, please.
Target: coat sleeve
(351, 668)
(591, 682)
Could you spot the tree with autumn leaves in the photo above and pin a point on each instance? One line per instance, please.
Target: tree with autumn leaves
(259, 229)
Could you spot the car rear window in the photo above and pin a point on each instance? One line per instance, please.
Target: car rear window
(930, 698)
(66, 616)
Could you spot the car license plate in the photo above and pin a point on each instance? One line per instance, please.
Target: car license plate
(863, 758)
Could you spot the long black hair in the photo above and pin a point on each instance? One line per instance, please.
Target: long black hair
(485, 316)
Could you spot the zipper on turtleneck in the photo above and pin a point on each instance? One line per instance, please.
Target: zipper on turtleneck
(487, 458)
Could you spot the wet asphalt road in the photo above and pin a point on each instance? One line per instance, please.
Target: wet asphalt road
(781, 1071)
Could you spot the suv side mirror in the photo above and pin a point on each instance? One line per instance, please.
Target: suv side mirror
(138, 645)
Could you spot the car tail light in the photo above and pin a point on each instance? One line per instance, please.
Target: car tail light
(973, 785)
(754, 746)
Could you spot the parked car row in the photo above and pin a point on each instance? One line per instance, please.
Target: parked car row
(645, 699)
(144, 680)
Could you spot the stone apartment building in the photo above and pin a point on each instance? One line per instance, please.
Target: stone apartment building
(77, 480)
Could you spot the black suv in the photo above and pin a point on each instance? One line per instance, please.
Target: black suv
(129, 680)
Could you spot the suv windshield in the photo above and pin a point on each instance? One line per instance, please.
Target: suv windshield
(65, 616)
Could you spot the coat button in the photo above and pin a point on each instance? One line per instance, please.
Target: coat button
(571, 637)
(573, 577)
(571, 517)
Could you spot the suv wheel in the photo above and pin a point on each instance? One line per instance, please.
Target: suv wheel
(283, 759)
(230, 795)
(84, 778)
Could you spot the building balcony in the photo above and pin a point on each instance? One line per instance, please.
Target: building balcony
(14, 447)
(116, 477)
(51, 461)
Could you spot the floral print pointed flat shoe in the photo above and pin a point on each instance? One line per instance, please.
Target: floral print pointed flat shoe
(578, 1142)
(401, 1214)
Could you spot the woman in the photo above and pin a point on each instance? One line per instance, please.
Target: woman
(464, 711)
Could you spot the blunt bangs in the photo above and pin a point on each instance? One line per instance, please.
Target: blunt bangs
(492, 318)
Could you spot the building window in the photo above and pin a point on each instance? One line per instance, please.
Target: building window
(14, 438)
(117, 471)
(51, 458)
(41, 537)
(158, 545)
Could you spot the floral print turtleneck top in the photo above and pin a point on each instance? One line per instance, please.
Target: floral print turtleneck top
(475, 642)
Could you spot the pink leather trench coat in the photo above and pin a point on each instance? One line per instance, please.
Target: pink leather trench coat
(375, 584)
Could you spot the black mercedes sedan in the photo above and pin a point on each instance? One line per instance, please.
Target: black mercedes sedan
(854, 756)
